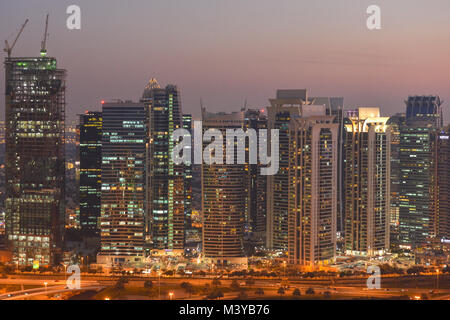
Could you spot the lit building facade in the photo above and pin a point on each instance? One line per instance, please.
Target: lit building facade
(223, 197)
(285, 107)
(165, 179)
(441, 183)
(313, 189)
(35, 172)
(256, 184)
(187, 176)
(367, 182)
(90, 184)
(123, 207)
(417, 160)
(395, 122)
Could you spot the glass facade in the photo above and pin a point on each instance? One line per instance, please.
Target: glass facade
(123, 171)
(165, 179)
(90, 157)
(35, 165)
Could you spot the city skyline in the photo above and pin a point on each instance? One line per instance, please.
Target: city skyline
(238, 150)
(241, 57)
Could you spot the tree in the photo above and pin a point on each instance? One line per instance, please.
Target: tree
(120, 284)
(148, 284)
(310, 291)
(215, 294)
(296, 292)
(259, 292)
(235, 285)
(168, 272)
(188, 288)
(242, 295)
(281, 291)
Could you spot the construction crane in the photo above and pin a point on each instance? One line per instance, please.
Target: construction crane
(8, 49)
(44, 41)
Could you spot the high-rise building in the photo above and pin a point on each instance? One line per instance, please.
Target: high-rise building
(286, 106)
(441, 185)
(223, 196)
(313, 188)
(367, 182)
(90, 184)
(123, 205)
(256, 183)
(165, 179)
(425, 108)
(34, 116)
(335, 106)
(187, 175)
(395, 122)
(417, 143)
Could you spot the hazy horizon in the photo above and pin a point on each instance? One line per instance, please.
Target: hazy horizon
(228, 52)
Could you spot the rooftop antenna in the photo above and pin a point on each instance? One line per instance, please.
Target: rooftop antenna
(44, 41)
(8, 49)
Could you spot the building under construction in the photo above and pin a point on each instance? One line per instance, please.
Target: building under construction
(34, 120)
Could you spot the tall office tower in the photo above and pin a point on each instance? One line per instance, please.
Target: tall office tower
(313, 188)
(426, 108)
(165, 179)
(394, 123)
(187, 175)
(223, 196)
(417, 136)
(286, 106)
(122, 221)
(90, 158)
(335, 107)
(367, 182)
(256, 184)
(441, 185)
(34, 115)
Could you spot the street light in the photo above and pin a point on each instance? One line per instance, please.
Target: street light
(45, 284)
(170, 295)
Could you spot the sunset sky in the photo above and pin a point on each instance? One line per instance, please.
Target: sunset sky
(226, 51)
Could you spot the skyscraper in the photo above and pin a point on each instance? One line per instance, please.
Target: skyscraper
(90, 185)
(395, 122)
(417, 142)
(425, 108)
(165, 179)
(367, 182)
(223, 196)
(187, 176)
(286, 106)
(34, 116)
(441, 185)
(123, 207)
(335, 106)
(256, 183)
(313, 188)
